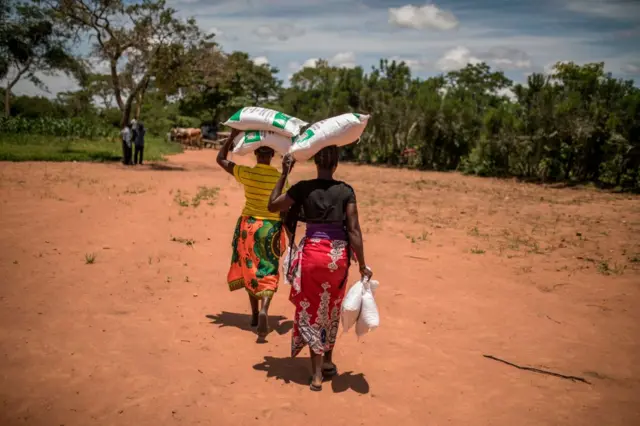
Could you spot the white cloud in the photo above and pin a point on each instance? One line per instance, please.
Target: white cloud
(456, 58)
(295, 66)
(413, 64)
(626, 10)
(549, 69)
(340, 60)
(310, 63)
(422, 18)
(504, 58)
(343, 60)
(632, 67)
(507, 92)
(507, 58)
(261, 60)
(282, 31)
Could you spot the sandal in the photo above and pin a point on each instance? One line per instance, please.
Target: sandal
(314, 388)
(329, 372)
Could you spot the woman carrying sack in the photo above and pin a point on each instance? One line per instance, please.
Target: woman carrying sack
(321, 264)
(258, 240)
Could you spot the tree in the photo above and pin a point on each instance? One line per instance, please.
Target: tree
(31, 41)
(220, 84)
(139, 42)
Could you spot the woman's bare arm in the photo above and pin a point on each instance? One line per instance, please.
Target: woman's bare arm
(222, 161)
(355, 238)
(279, 202)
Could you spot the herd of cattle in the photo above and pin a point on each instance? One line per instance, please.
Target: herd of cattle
(189, 137)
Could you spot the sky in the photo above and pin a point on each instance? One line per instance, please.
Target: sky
(516, 36)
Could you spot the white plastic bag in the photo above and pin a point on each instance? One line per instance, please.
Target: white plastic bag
(351, 306)
(340, 130)
(256, 118)
(369, 318)
(249, 141)
(352, 303)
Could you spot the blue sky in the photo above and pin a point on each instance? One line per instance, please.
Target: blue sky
(517, 36)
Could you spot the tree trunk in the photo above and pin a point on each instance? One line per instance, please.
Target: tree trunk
(138, 106)
(140, 97)
(7, 102)
(126, 112)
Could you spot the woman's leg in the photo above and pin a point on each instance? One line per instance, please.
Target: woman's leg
(328, 367)
(316, 369)
(254, 310)
(263, 317)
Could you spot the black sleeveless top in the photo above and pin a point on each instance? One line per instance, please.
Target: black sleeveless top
(321, 200)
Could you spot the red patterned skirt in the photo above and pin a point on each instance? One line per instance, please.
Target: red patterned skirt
(318, 275)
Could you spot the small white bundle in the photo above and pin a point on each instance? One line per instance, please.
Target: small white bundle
(357, 307)
(369, 318)
(256, 118)
(249, 141)
(339, 131)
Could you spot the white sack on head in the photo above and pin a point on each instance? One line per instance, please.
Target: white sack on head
(249, 141)
(256, 118)
(339, 131)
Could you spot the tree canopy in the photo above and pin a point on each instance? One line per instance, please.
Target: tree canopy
(577, 123)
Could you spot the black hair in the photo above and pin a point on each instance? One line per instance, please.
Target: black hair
(327, 158)
(265, 150)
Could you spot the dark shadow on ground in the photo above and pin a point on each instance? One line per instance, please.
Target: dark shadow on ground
(279, 324)
(103, 156)
(348, 380)
(298, 370)
(166, 167)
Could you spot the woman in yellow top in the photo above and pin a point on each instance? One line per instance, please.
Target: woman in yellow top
(258, 240)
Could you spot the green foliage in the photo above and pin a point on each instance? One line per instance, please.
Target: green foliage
(31, 41)
(578, 125)
(33, 147)
(69, 127)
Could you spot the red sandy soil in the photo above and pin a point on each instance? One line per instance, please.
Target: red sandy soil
(150, 335)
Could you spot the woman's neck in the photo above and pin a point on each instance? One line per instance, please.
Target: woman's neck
(325, 174)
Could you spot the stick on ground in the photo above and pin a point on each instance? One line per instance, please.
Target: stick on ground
(537, 370)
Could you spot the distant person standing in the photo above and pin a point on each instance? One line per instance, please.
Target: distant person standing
(139, 143)
(126, 145)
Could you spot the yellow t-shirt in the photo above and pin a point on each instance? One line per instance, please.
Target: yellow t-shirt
(258, 183)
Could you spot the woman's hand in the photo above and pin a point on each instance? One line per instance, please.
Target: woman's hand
(287, 164)
(366, 272)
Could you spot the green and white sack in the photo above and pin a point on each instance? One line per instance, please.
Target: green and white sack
(256, 118)
(340, 130)
(249, 141)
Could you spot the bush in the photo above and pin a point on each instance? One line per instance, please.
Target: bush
(68, 127)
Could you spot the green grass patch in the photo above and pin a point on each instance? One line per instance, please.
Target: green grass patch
(33, 147)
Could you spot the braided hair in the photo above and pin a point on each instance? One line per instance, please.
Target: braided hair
(327, 158)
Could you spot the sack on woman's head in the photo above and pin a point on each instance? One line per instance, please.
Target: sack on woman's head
(341, 130)
(247, 142)
(256, 118)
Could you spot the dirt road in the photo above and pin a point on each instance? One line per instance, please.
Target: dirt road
(114, 308)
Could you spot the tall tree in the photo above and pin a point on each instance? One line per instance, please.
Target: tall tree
(218, 83)
(140, 41)
(31, 41)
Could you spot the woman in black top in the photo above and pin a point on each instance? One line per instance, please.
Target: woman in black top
(320, 266)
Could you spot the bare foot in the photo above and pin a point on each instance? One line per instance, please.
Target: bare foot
(263, 324)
